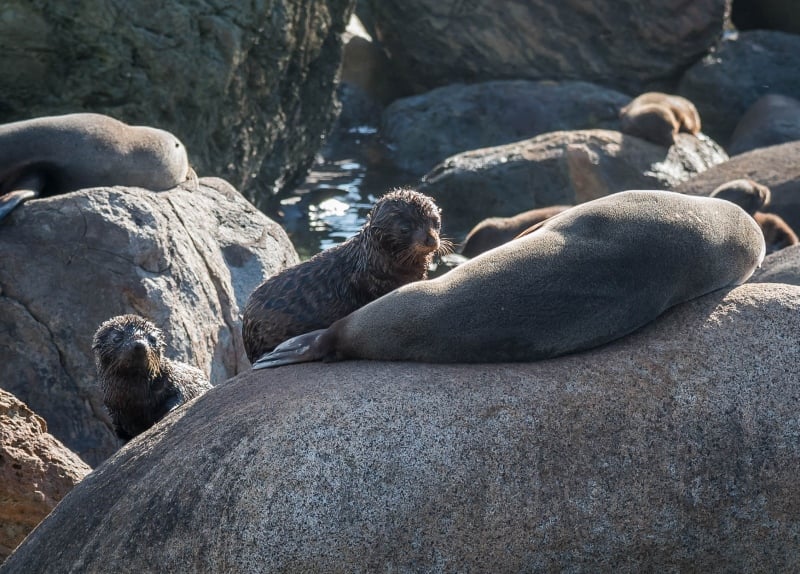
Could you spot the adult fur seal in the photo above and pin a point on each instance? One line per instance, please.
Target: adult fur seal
(585, 277)
(752, 197)
(495, 231)
(139, 384)
(394, 247)
(58, 154)
(658, 117)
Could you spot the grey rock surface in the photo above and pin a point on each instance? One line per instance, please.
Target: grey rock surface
(628, 45)
(773, 119)
(742, 68)
(421, 131)
(777, 167)
(187, 260)
(36, 471)
(558, 168)
(780, 267)
(248, 87)
(674, 449)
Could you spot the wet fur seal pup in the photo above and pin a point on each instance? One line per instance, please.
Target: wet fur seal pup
(139, 384)
(495, 231)
(752, 197)
(658, 117)
(394, 247)
(587, 276)
(58, 154)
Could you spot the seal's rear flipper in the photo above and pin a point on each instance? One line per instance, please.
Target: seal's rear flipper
(299, 349)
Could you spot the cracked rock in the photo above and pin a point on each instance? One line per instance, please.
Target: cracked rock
(185, 259)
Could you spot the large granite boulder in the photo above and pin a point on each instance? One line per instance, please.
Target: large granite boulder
(674, 449)
(421, 131)
(629, 45)
(742, 68)
(777, 167)
(559, 168)
(36, 471)
(186, 259)
(248, 87)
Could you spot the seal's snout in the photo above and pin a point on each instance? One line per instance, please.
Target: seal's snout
(139, 347)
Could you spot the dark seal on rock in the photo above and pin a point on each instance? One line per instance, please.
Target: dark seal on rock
(58, 154)
(658, 117)
(139, 384)
(587, 276)
(752, 197)
(495, 231)
(394, 247)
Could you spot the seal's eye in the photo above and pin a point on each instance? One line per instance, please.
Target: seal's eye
(405, 229)
(152, 339)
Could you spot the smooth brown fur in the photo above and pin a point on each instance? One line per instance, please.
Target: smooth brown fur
(394, 247)
(495, 231)
(139, 384)
(658, 117)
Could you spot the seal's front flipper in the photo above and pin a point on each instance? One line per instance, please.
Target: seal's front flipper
(300, 349)
(26, 188)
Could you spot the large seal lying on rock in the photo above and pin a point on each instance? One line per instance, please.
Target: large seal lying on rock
(140, 385)
(394, 247)
(587, 276)
(58, 154)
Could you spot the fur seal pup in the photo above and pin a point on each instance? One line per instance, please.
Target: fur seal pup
(394, 247)
(139, 384)
(658, 117)
(495, 231)
(752, 197)
(587, 276)
(58, 154)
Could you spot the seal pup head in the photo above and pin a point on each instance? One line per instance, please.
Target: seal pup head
(130, 347)
(406, 225)
(746, 193)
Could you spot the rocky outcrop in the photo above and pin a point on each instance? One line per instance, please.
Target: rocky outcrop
(777, 167)
(186, 259)
(421, 131)
(772, 120)
(558, 168)
(249, 88)
(742, 68)
(36, 471)
(673, 449)
(629, 45)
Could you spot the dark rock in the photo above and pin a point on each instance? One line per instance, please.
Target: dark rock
(187, 260)
(249, 88)
(782, 15)
(780, 267)
(421, 131)
(558, 168)
(777, 167)
(772, 120)
(674, 449)
(741, 69)
(36, 471)
(629, 45)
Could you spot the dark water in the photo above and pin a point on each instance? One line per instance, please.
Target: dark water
(332, 203)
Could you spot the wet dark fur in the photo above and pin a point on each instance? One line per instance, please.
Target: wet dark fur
(139, 384)
(394, 247)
